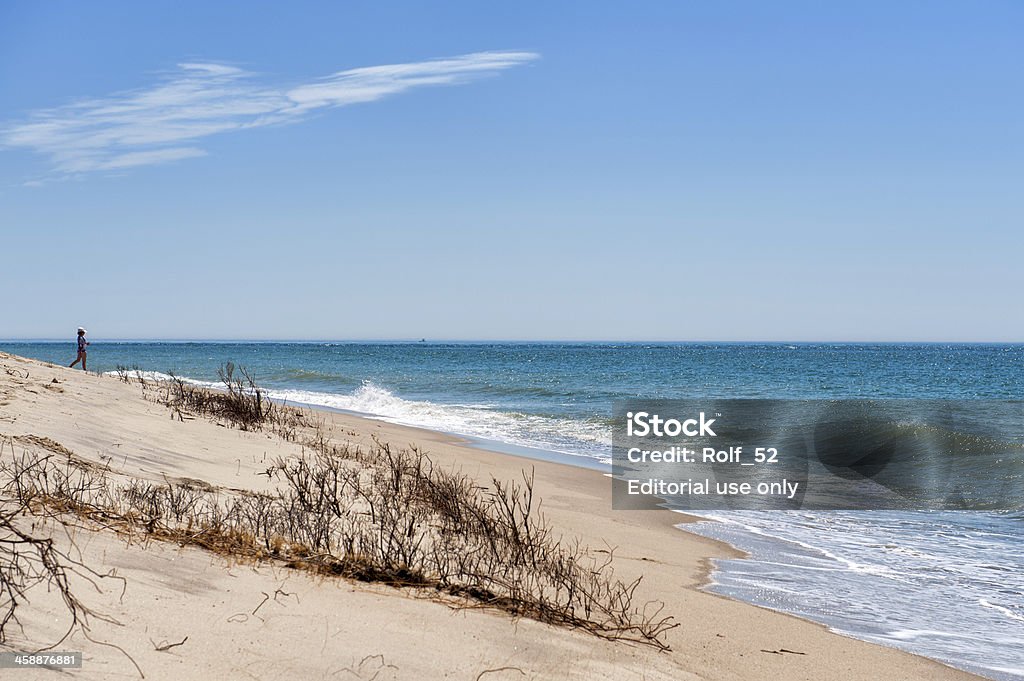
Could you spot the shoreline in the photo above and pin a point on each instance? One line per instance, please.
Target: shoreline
(677, 521)
(727, 639)
(650, 503)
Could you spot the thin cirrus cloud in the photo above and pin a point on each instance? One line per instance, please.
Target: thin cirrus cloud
(164, 122)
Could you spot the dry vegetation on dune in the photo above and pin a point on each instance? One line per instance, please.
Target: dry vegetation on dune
(28, 561)
(375, 514)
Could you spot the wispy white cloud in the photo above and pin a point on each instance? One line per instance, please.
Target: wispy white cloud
(163, 122)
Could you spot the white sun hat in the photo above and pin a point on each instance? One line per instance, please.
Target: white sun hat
(82, 330)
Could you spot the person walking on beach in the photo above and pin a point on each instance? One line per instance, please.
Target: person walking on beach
(82, 343)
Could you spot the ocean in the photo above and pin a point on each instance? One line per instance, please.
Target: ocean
(947, 585)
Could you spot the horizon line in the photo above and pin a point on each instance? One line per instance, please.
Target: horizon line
(517, 340)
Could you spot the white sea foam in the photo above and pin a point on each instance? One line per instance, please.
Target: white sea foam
(567, 436)
(161, 376)
(940, 584)
(1006, 611)
(578, 437)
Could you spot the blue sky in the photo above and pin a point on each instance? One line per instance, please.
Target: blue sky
(663, 171)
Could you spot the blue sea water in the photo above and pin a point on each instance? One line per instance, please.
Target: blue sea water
(949, 585)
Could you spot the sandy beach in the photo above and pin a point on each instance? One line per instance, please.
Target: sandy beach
(238, 618)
